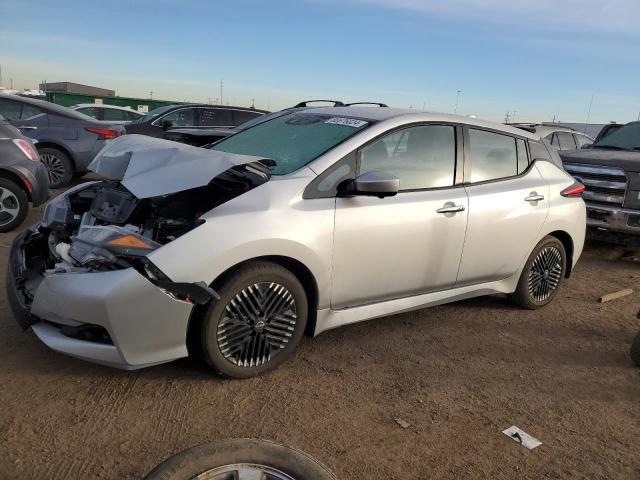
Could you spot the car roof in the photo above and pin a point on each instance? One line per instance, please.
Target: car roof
(49, 107)
(544, 130)
(379, 114)
(102, 105)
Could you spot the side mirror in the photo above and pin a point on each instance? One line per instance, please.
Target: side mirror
(167, 124)
(373, 184)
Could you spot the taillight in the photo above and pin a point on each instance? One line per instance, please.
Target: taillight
(575, 190)
(104, 133)
(27, 149)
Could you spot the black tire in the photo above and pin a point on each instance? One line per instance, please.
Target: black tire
(537, 269)
(190, 463)
(231, 335)
(635, 350)
(59, 166)
(14, 205)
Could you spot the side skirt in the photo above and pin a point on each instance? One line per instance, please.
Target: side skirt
(329, 319)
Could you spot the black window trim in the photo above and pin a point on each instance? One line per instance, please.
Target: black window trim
(467, 156)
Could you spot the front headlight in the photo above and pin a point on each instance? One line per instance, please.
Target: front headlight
(104, 244)
(57, 213)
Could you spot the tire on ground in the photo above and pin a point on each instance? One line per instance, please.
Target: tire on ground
(233, 283)
(195, 461)
(522, 295)
(635, 350)
(65, 162)
(22, 206)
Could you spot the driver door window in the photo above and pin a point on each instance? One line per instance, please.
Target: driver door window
(421, 157)
(183, 117)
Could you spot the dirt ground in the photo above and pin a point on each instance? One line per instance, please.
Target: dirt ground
(458, 374)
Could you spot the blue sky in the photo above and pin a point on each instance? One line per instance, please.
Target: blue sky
(541, 58)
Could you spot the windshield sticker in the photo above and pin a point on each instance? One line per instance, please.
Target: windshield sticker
(348, 122)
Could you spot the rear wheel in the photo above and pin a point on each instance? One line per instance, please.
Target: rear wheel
(257, 323)
(14, 205)
(59, 166)
(542, 274)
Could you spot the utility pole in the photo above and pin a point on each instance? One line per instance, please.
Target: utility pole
(455, 110)
(11, 82)
(586, 124)
(1, 84)
(151, 95)
(513, 117)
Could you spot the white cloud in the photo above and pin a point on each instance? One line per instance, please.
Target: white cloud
(620, 16)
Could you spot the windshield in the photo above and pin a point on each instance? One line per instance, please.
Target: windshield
(292, 140)
(153, 114)
(625, 138)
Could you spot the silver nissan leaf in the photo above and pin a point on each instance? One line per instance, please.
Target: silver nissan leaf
(310, 221)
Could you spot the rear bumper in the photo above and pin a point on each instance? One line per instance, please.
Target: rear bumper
(615, 219)
(145, 326)
(35, 179)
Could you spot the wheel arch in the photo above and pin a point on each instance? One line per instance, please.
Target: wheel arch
(567, 243)
(299, 269)
(15, 178)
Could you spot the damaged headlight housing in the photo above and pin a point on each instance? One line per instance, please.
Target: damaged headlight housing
(105, 244)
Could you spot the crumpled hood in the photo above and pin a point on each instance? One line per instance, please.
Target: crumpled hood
(628, 161)
(149, 167)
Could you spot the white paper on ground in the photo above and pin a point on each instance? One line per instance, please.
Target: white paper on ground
(522, 437)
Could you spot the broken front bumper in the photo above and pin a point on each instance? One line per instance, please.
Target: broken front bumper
(141, 325)
(616, 219)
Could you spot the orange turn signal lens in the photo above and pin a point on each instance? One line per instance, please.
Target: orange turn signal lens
(130, 241)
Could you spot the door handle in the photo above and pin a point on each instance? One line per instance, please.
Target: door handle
(28, 127)
(451, 209)
(534, 197)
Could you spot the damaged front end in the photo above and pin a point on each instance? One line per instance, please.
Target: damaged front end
(111, 226)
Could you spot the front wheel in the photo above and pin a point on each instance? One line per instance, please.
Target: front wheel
(542, 274)
(257, 323)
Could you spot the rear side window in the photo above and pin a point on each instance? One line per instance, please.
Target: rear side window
(10, 110)
(91, 111)
(182, 117)
(566, 141)
(523, 158)
(493, 155)
(29, 111)
(241, 116)
(421, 157)
(214, 117)
(111, 114)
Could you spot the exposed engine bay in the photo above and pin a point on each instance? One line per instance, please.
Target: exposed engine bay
(102, 226)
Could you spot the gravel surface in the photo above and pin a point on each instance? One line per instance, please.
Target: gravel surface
(420, 395)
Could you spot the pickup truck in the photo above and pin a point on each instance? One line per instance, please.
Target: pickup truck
(610, 170)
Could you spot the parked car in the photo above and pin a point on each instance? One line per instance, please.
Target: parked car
(562, 138)
(158, 121)
(610, 170)
(313, 220)
(67, 140)
(200, 137)
(608, 129)
(23, 178)
(108, 113)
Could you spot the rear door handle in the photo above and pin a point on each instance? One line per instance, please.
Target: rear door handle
(534, 197)
(451, 209)
(28, 127)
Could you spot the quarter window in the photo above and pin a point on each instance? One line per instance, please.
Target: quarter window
(582, 140)
(523, 159)
(421, 157)
(114, 115)
(493, 155)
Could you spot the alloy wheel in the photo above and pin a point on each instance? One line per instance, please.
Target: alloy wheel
(55, 167)
(256, 325)
(243, 472)
(9, 206)
(545, 273)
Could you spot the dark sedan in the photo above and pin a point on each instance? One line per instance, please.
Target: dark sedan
(158, 121)
(23, 178)
(67, 140)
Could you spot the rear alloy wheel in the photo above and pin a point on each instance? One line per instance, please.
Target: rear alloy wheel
(59, 166)
(14, 205)
(258, 321)
(542, 274)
